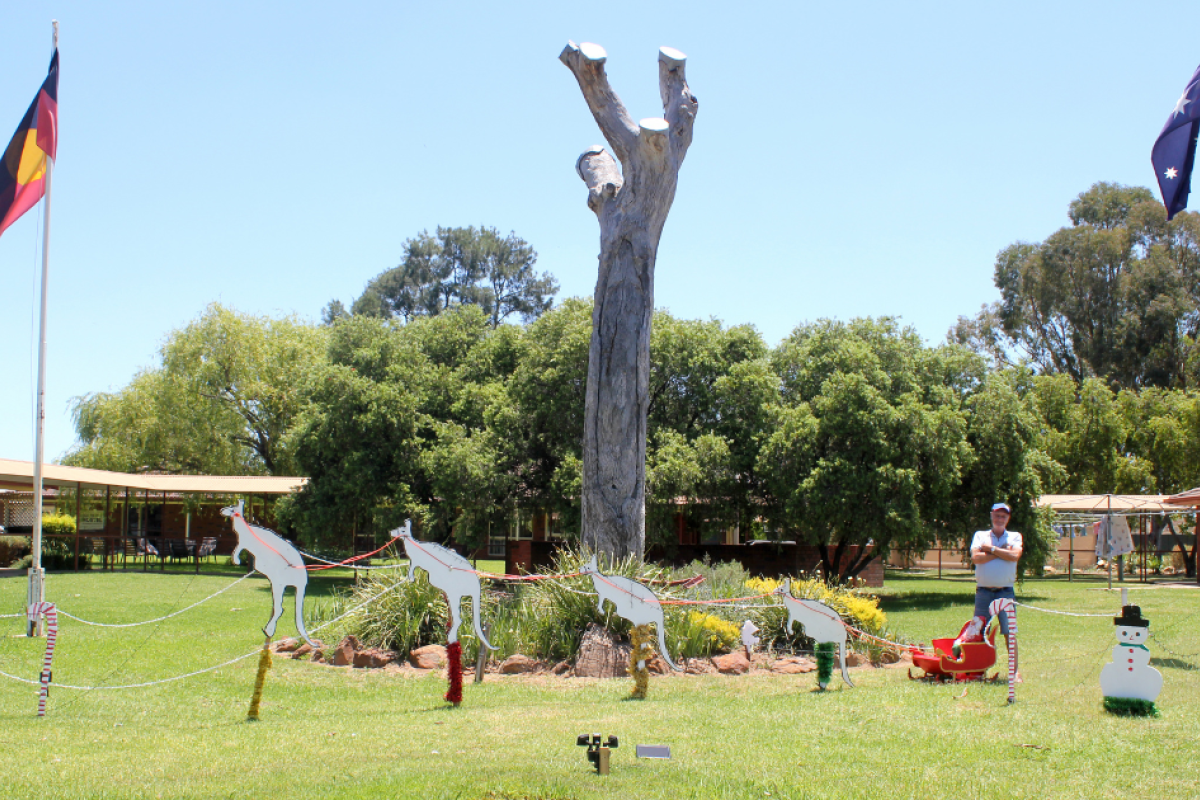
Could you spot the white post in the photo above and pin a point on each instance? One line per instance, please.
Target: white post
(1108, 539)
(37, 577)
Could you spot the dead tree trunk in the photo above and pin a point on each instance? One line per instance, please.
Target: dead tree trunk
(632, 202)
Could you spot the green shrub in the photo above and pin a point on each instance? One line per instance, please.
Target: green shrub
(13, 548)
(399, 615)
(547, 619)
(53, 561)
(854, 604)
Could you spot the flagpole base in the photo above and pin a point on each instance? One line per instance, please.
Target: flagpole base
(37, 594)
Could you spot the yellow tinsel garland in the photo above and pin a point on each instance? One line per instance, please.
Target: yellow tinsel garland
(264, 663)
(639, 657)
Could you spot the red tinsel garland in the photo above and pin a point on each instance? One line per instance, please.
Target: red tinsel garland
(454, 673)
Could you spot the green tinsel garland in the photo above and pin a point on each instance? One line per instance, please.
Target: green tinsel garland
(825, 653)
(1130, 707)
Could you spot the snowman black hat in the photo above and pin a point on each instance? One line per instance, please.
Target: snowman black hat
(1131, 617)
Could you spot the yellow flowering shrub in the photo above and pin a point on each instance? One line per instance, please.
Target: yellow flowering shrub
(763, 585)
(698, 634)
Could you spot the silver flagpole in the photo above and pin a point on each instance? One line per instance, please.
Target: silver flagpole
(37, 576)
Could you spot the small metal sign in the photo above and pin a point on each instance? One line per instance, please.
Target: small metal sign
(653, 751)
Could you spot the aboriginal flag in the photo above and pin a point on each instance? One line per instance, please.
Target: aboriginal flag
(23, 174)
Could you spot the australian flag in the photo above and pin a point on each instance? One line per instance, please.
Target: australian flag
(1175, 149)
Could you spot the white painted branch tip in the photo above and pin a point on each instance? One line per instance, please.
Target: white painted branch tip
(593, 52)
(653, 125)
(592, 151)
(671, 56)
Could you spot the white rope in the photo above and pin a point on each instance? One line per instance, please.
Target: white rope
(158, 619)
(10, 616)
(22, 680)
(252, 653)
(355, 566)
(1060, 613)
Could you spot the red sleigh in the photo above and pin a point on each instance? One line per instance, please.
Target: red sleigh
(972, 664)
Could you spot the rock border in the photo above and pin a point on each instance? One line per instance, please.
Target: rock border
(603, 657)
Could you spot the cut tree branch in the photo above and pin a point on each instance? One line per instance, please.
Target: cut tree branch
(586, 62)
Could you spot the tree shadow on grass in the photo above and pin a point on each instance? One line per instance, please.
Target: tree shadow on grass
(1173, 663)
(924, 601)
(315, 589)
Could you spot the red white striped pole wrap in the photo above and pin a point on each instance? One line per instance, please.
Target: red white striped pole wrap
(1006, 606)
(49, 611)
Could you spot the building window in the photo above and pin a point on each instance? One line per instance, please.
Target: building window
(522, 526)
(497, 547)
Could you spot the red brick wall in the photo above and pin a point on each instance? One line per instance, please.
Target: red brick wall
(521, 556)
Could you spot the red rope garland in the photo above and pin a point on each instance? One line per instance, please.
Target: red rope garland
(350, 560)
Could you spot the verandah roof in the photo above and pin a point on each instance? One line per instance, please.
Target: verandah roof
(18, 475)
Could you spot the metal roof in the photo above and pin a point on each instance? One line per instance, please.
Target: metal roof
(1102, 503)
(1189, 498)
(18, 475)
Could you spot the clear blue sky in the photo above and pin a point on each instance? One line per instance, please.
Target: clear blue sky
(860, 159)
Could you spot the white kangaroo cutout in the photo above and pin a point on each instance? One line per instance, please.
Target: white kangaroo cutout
(632, 601)
(821, 623)
(448, 571)
(276, 559)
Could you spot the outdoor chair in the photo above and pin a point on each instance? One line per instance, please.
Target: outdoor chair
(178, 549)
(99, 547)
(208, 547)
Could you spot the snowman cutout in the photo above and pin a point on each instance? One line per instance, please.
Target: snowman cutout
(1130, 675)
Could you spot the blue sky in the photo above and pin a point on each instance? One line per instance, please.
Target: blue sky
(849, 160)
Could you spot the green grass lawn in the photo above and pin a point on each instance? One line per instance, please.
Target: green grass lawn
(357, 734)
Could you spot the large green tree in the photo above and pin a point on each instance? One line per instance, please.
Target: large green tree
(1009, 465)
(459, 266)
(709, 385)
(397, 424)
(869, 442)
(540, 424)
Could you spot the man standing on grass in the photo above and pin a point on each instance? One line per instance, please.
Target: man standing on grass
(995, 554)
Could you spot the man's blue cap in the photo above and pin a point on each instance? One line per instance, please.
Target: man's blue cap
(1002, 507)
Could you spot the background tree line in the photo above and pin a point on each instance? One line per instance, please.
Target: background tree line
(423, 401)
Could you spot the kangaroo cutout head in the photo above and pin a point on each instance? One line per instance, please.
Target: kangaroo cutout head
(590, 568)
(234, 511)
(403, 533)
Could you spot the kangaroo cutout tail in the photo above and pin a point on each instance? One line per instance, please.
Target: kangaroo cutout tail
(842, 659)
(300, 614)
(662, 647)
(475, 623)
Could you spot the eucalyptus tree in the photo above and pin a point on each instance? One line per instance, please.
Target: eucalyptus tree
(461, 266)
(1115, 295)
